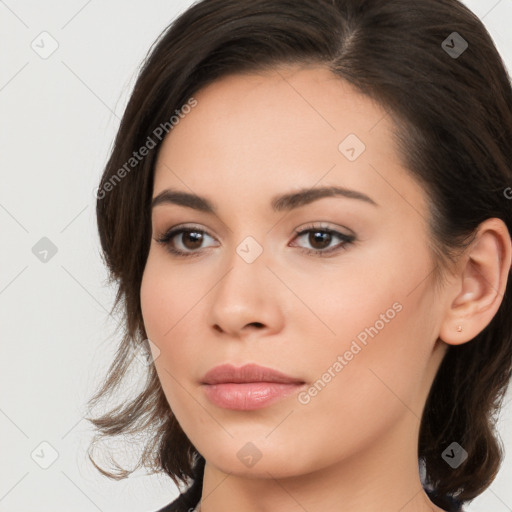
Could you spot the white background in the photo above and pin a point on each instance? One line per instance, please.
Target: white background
(58, 118)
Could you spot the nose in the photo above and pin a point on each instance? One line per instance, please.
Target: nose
(246, 299)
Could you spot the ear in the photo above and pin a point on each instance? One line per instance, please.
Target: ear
(480, 283)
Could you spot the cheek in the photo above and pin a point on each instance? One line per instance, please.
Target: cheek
(170, 304)
(163, 303)
(154, 298)
(382, 321)
(167, 297)
(368, 379)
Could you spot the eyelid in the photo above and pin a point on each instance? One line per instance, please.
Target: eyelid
(175, 230)
(345, 240)
(327, 226)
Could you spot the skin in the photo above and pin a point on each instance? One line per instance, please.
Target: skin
(353, 447)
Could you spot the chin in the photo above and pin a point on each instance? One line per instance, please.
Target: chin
(252, 460)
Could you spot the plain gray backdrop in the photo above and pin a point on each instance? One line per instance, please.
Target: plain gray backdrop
(67, 69)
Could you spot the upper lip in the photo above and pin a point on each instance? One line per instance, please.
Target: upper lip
(247, 373)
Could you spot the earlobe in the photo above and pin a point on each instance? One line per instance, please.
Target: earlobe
(480, 283)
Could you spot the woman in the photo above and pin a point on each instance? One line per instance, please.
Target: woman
(307, 213)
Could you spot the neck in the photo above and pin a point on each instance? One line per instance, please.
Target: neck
(382, 477)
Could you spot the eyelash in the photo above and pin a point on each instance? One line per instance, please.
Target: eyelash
(345, 240)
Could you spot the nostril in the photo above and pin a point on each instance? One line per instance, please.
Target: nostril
(256, 324)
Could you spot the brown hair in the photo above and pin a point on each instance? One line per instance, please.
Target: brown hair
(453, 116)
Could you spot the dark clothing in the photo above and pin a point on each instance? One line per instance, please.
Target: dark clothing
(189, 500)
(450, 504)
(182, 504)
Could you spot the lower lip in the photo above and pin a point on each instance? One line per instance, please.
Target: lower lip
(248, 396)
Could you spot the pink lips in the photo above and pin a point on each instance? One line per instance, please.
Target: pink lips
(247, 388)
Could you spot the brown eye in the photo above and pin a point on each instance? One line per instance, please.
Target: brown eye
(319, 239)
(192, 239)
(184, 241)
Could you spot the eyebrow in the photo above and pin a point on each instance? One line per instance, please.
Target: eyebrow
(280, 203)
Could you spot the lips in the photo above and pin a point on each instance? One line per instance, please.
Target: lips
(247, 388)
(248, 373)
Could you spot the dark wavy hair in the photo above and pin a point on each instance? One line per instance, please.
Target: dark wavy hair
(453, 128)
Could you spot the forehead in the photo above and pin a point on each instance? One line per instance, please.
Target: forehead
(268, 132)
(273, 107)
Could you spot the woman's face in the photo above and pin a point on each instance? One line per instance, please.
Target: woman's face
(351, 314)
